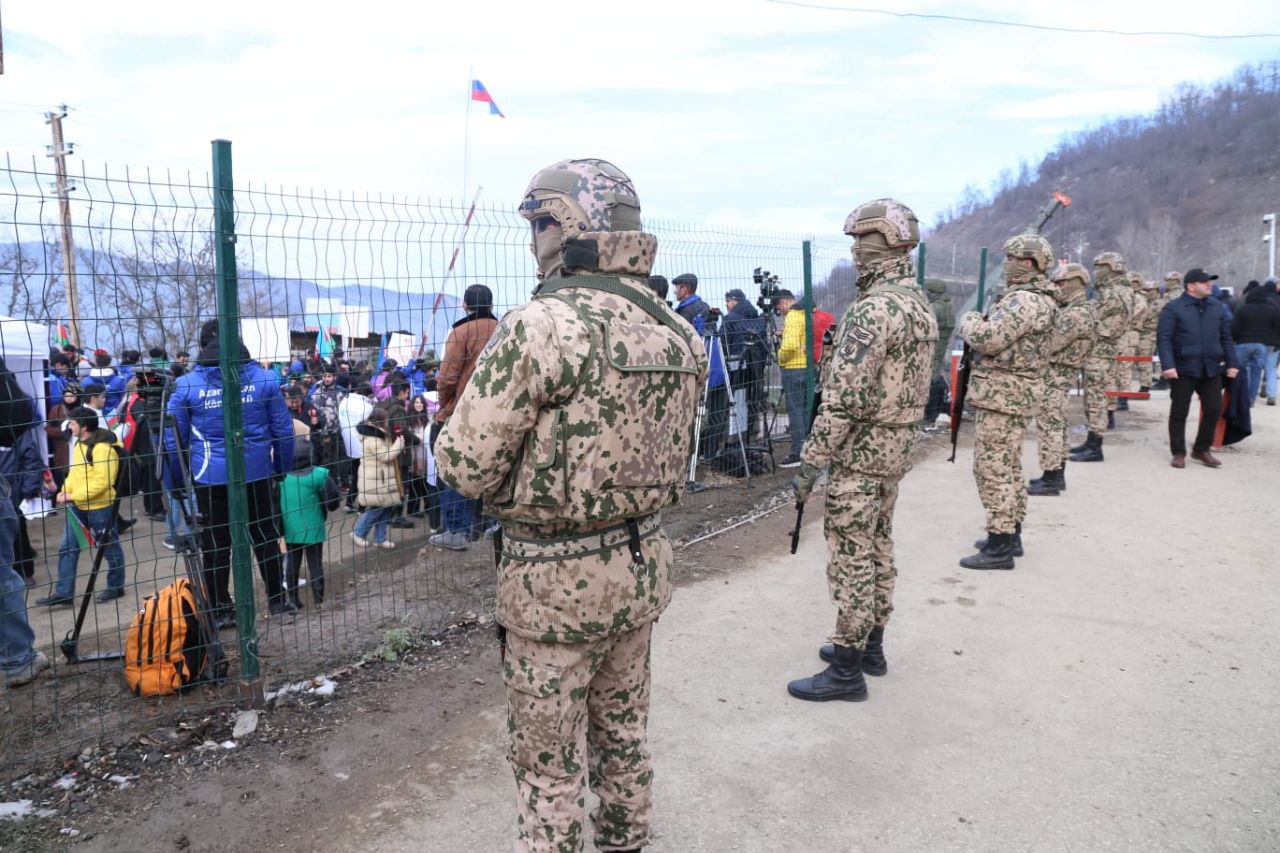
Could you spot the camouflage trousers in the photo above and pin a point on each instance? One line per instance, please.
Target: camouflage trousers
(577, 710)
(1122, 371)
(1097, 379)
(860, 571)
(1051, 428)
(997, 468)
(1144, 371)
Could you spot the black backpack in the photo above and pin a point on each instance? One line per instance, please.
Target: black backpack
(17, 412)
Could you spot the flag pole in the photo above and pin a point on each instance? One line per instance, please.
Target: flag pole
(466, 132)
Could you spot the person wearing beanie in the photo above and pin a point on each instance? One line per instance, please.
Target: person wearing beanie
(307, 495)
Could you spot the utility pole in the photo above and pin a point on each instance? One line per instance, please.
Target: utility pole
(58, 151)
(1270, 239)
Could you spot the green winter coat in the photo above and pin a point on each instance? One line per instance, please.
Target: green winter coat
(303, 498)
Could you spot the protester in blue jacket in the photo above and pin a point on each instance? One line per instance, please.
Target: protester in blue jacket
(115, 381)
(196, 410)
(1194, 339)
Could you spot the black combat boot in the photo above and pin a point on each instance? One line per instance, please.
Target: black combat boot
(873, 662)
(841, 680)
(1111, 420)
(1017, 541)
(1122, 404)
(1061, 476)
(1092, 450)
(1144, 389)
(996, 553)
(1046, 484)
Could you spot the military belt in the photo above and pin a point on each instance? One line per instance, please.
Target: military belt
(629, 534)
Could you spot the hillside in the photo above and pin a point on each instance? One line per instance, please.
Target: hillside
(1184, 186)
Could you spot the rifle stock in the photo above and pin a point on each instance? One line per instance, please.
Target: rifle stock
(958, 397)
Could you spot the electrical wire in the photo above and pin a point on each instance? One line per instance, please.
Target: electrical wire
(863, 10)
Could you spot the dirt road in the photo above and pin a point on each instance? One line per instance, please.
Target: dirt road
(1119, 690)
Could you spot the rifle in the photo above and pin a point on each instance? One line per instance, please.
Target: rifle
(958, 397)
(795, 534)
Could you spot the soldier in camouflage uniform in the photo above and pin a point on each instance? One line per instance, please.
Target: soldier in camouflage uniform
(1074, 330)
(1142, 370)
(576, 430)
(945, 313)
(874, 394)
(1125, 372)
(1005, 388)
(1172, 290)
(1111, 295)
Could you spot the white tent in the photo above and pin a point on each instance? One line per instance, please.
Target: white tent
(25, 349)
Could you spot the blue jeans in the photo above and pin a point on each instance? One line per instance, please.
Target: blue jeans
(376, 518)
(16, 637)
(177, 524)
(460, 514)
(1269, 371)
(793, 388)
(69, 550)
(1252, 360)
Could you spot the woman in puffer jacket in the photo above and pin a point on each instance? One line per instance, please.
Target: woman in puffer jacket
(379, 479)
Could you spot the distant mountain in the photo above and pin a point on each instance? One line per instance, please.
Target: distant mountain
(1184, 186)
(130, 302)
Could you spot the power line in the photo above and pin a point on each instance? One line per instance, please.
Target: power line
(862, 10)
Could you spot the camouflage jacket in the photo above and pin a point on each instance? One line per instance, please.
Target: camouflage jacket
(1138, 309)
(1074, 329)
(1113, 310)
(1150, 317)
(1011, 342)
(579, 415)
(878, 380)
(326, 401)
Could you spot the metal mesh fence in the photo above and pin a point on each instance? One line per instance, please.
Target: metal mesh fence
(326, 281)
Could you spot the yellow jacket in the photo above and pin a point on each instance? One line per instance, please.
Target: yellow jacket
(791, 349)
(93, 486)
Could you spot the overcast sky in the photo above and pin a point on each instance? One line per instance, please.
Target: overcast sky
(745, 112)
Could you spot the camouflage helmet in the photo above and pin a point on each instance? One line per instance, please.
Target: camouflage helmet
(888, 217)
(1031, 246)
(1173, 278)
(1069, 273)
(1135, 280)
(936, 286)
(583, 195)
(1149, 284)
(1113, 261)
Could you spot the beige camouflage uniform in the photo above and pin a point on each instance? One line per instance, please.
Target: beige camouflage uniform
(1071, 339)
(1004, 385)
(1124, 374)
(1112, 309)
(576, 430)
(1172, 290)
(875, 394)
(1143, 371)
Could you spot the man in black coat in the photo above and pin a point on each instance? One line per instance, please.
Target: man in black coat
(1256, 332)
(1194, 335)
(745, 334)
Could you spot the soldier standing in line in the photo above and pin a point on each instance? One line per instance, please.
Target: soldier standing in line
(1172, 290)
(1005, 389)
(945, 313)
(576, 430)
(1112, 310)
(1147, 334)
(1124, 370)
(1074, 330)
(874, 394)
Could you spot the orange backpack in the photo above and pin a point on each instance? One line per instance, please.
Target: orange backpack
(163, 651)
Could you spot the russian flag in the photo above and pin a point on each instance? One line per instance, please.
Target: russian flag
(480, 93)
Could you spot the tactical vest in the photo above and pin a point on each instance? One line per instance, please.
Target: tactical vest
(1026, 356)
(619, 446)
(907, 367)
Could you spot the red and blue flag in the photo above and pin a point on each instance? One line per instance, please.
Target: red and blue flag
(480, 93)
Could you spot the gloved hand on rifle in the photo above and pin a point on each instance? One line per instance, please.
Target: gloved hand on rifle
(803, 482)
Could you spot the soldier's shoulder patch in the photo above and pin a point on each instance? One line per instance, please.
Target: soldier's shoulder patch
(861, 334)
(854, 341)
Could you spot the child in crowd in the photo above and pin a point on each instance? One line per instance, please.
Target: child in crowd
(307, 495)
(379, 479)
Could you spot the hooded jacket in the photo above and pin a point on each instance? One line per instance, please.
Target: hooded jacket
(461, 349)
(1257, 321)
(196, 406)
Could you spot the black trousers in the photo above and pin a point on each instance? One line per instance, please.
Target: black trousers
(314, 553)
(1209, 390)
(215, 540)
(717, 421)
(24, 555)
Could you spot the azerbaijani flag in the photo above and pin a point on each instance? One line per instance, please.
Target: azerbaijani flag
(82, 532)
(480, 93)
(324, 342)
(63, 336)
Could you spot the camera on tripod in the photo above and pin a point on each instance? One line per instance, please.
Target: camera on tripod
(769, 289)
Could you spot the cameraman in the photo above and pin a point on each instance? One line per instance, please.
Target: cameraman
(794, 364)
(745, 333)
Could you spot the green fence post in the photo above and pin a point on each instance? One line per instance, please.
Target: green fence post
(920, 266)
(810, 371)
(982, 278)
(224, 225)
